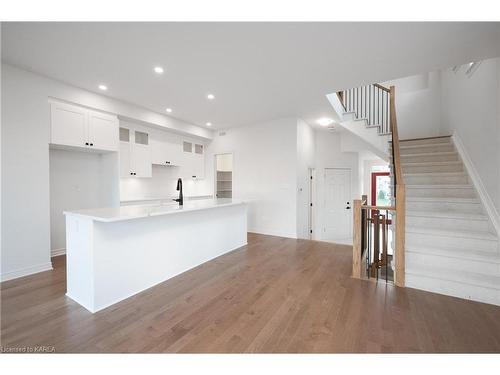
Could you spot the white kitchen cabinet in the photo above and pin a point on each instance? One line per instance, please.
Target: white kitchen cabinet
(141, 161)
(103, 131)
(125, 167)
(165, 150)
(68, 125)
(75, 126)
(135, 154)
(193, 161)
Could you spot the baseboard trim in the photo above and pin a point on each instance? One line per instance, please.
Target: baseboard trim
(25, 271)
(57, 252)
(477, 182)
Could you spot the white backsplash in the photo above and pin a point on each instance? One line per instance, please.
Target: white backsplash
(161, 185)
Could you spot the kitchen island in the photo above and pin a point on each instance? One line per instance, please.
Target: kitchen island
(114, 253)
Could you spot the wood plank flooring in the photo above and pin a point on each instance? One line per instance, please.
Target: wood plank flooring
(275, 295)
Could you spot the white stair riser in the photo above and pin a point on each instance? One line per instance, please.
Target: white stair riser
(447, 223)
(444, 206)
(422, 158)
(423, 142)
(472, 292)
(432, 241)
(435, 179)
(421, 262)
(440, 192)
(454, 167)
(426, 149)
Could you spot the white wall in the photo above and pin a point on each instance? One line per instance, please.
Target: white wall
(264, 174)
(79, 180)
(305, 160)
(470, 107)
(418, 105)
(329, 155)
(25, 162)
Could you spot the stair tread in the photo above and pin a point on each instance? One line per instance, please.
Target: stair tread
(431, 163)
(476, 255)
(448, 214)
(463, 277)
(433, 153)
(440, 186)
(444, 199)
(425, 145)
(453, 233)
(437, 174)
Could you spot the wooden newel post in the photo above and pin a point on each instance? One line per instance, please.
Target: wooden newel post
(356, 248)
(399, 274)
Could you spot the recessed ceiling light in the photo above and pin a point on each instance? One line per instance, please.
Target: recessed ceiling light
(210, 97)
(158, 69)
(103, 87)
(209, 124)
(169, 110)
(325, 121)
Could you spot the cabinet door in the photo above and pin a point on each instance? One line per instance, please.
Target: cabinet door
(125, 159)
(103, 131)
(158, 152)
(165, 151)
(199, 166)
(68, 125)
(141, 160)
(199, 160)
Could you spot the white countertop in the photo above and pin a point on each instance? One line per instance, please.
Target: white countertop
(121, 213)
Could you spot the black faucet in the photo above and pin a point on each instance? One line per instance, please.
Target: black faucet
(179, 189)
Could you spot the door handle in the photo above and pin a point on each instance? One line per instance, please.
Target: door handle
(348, 208)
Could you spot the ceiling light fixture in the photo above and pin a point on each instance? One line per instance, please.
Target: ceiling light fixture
(209, 124)
(325, 121)
(169, 110)
(158, 70)
(103, 87)
(210, 97)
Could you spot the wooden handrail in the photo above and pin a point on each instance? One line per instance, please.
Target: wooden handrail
(382, 87)
(381, 208)
(400, 196)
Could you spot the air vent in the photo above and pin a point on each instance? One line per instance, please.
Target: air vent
(221, 134)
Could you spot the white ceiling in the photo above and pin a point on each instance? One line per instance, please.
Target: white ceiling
(257, 71)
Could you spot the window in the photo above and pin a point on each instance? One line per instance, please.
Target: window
(187, 146)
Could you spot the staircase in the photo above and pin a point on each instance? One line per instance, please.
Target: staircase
(364, 112)
(451, 246)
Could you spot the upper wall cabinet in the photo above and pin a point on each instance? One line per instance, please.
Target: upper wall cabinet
(166, 149)
(193, 161)
(76, 126)
(135, 154)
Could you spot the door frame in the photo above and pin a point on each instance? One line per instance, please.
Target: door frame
(373, 191)
(215, 171)
(324, 193)
(311, 203)
(373, 187)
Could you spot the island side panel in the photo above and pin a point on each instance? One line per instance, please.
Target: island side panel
(133, 255)
(79, 264)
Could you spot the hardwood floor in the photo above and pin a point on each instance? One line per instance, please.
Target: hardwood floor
(274, 295)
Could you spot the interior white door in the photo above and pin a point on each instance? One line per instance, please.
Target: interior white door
(68, 125)
(103, 131)
(338, 214)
